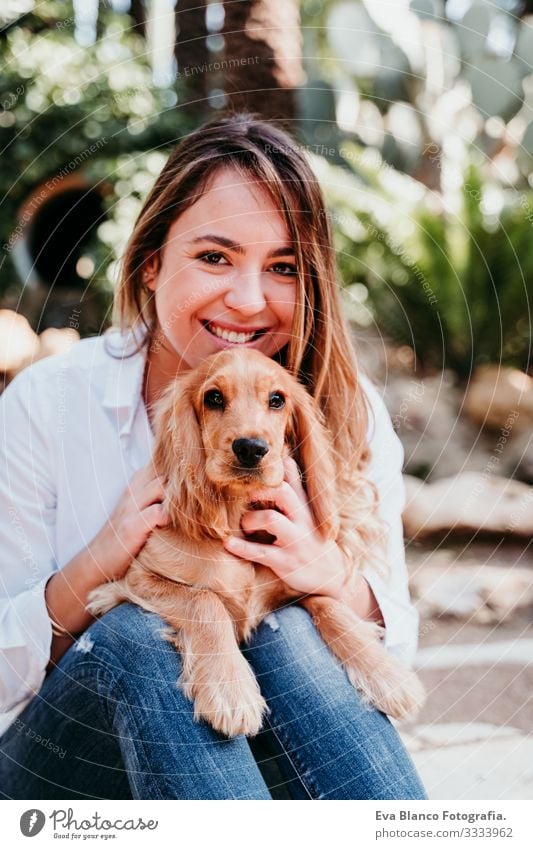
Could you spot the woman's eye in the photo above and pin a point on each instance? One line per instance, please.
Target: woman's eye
(214, 399)
(285, 269)
(276, 401)
(213, 258)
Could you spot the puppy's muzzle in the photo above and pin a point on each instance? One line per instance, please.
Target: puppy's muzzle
(249, 452)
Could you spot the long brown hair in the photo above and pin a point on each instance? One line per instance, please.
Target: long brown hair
(320, 352)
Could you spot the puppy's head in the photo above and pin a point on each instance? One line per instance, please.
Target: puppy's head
(243, 403)
(224, 429)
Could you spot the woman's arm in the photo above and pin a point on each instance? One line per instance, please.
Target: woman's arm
(31, 588)
(27, 539)
(387, 576)
(358, 595)
(107, 558)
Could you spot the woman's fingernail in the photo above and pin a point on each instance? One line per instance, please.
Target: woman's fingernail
(233, 542)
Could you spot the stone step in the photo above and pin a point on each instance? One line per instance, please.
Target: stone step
(500, 694)
(473, 760)
(453, 656)
(484, 584)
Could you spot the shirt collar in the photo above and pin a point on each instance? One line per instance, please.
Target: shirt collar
(124, 375)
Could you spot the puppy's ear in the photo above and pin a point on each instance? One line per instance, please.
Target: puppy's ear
(311, 448)
(179, 455)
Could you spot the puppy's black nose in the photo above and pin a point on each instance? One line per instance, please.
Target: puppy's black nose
(249, 452)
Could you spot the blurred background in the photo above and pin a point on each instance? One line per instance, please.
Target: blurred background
(418, 119)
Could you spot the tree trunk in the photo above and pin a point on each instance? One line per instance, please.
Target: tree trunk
(263, 56)
(138, 14)
(191, 51)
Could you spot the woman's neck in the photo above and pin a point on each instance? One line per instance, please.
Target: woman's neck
(162, 366)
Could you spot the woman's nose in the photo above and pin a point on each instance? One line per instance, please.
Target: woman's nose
(245, 293)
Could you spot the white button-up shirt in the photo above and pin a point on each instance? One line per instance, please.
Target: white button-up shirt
(74, 431)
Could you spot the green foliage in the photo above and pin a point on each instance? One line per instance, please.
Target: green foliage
(452, 279)
(85, 110)
(424, 73)
(445, 96)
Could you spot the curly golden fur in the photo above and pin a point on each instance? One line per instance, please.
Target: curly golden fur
(211, 600)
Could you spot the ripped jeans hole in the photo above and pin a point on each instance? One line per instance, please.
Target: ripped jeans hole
(272, 621)
(84, 644)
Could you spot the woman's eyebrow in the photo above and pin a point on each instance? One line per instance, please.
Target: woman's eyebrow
(229, 243)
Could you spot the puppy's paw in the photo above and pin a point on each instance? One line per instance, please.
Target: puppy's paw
(104, 598)
(228, 698)
(390, 687)
(382, 680)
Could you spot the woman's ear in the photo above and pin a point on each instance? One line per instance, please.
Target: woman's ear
(312, 449)
(179, 456)
(149, 272)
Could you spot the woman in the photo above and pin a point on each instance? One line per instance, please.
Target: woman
(232, 247)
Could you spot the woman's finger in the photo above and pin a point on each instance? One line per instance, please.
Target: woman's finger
(293, 476)
(265, 555)
(149, 494)
(156, 516)
(269, 520)
(144, 476)
(284, 497)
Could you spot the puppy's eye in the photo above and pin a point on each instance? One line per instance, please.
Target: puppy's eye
(214, 399)
(276, 401)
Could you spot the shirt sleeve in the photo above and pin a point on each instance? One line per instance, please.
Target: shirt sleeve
(390, 584)
(27, 533)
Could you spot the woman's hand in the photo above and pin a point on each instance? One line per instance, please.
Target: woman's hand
(106, 558)
(138, 511)
(299, 556)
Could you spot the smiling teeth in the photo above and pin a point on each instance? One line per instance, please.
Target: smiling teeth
(230, 335)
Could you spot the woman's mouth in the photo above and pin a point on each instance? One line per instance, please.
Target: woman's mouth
(232, 336)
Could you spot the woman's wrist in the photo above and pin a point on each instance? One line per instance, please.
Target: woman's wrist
(66, 594)
(354, 590)
(363, 601)
(109, 558)
(338, 587)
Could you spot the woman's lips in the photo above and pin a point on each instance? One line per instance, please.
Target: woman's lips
(235, 337)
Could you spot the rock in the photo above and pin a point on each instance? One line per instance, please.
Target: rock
(500, 398)
(468, 502)
(483, 594)
(19, 345)
(426, 411)
(459, 733)
(459, 657)
(56, 340)
(497, 768)
(517, 462)
(437, 440)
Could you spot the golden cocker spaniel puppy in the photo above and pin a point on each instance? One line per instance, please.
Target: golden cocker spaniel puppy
(222, 431)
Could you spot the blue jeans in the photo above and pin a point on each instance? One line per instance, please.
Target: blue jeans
(110, 723)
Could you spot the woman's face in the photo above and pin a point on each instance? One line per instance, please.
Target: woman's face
(227, 275)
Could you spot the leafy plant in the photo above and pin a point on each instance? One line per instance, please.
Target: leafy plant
(408, 76)
(450, 276)
(86, 110)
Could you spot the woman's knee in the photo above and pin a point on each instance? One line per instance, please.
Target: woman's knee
(289, 636)
(288, 648)
(124, 648)
(292, 623)
(134, 672)
(134, 636)
(293, 664)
